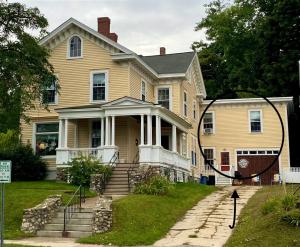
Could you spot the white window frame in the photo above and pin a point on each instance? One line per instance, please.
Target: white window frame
(261, 121)
(145, 93)
(68, 47)
(214, 158)
(214, 122)
(185, 103)
(56, 94)
(194, 110)
(170, 95)
(194, 149)
(106, 85)
(34, 133)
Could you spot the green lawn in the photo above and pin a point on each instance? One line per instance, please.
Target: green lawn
(143, 219)
(256, 229)
(21, 195)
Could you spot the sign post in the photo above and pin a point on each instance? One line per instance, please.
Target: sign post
(5, 177)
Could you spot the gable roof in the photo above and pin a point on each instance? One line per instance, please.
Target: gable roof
(169, 63)
(73, 21)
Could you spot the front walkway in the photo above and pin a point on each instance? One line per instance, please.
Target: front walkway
(207, 224)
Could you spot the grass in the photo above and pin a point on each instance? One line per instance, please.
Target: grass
(143, 219)
(22, 195)
(256, 229)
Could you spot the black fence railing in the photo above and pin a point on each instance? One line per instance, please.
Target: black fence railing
(73, 206)
(112, 163)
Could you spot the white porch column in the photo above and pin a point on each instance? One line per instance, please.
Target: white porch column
(102, 132)
(60, 133)
(149, 129)
(158, 131)
(174, 143)
(66, 133)
(106, 131)
(142, 130)
(113, 130)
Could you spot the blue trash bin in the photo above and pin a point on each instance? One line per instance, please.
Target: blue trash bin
(203, 180)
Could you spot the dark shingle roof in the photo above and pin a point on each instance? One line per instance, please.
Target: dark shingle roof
(169, 63)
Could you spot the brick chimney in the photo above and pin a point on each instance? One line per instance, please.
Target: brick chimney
(104, 28)
(162, 51)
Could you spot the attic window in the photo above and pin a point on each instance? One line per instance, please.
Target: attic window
(75, 47)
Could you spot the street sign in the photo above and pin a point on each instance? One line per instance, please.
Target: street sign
(5, 171)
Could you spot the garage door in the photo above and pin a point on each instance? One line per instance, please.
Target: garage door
(251, 162)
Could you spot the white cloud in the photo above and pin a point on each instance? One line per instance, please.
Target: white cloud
(142, 25)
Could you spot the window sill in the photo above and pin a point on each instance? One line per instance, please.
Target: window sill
(98, 101)
(48, 157)
(72, 58)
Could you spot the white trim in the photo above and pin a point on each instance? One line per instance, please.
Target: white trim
(250, 100)
(174, 75)
(214, 158)
(214, 123)
(145, 83)
(287, 136)
(194, 109)
(261, 121)
(106, 72)
(170, 95)
(185, 103)
(68, 47)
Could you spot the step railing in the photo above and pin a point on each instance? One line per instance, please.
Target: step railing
(112, 163)
(73, 206)
(131, 168)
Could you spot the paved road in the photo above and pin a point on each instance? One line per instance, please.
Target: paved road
(207, 224)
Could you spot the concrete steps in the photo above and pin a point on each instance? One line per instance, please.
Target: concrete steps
(223, 181)
(80, 225)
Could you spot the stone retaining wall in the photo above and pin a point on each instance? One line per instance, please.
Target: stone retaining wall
(35, 218)
(96, 183)
(102, 219)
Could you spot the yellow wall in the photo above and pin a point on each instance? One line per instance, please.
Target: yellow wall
(232, 130)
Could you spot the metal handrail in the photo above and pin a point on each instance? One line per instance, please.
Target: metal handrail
(111, 163)
(73, 204)
(130, 169)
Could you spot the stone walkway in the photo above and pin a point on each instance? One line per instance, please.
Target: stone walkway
(207, 224)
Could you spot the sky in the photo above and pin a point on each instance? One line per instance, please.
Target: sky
(142, 25)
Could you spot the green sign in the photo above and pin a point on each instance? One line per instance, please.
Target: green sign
(5, 171)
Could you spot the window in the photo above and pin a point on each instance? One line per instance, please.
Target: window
(209, 154)
(193, 151)
(255, 121)
(75, 47)
(163, 97)
(185, 113)
(143, 91)
(96, 134)
(46, 138)
(50, 95)
(99, 86)
(208, 121)
(194, 109)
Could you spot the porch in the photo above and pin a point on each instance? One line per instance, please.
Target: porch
(138, 131)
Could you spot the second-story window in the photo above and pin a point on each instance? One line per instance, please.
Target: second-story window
(99, 86)
(163, 97)
(75, 48)
(185, 104)
(143, 91)
(208, 123)
(50, 95)
(255, 121)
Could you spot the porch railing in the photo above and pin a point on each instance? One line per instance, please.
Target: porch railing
(64, 155)
(73, 206)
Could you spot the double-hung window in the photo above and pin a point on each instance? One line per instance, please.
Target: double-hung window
(75, 47)
(99, 86)
(255, 121)
(46, 138)
(208, 122)
(193, 151)
(185, 104)
(143, 91)
(50, 94)
(209, 154)
(163, 97)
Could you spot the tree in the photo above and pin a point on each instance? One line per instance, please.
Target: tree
(25, 72)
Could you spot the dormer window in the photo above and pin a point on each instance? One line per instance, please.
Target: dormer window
(75, 47)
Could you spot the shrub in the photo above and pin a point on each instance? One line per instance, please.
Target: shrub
(292, 217)
(269, 206)
(83, 167)
(9, 141)
(26, 166)
(157, 185)
(289, 202)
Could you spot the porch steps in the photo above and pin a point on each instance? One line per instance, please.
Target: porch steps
(223, 181)
(80, 225)
(118, 183)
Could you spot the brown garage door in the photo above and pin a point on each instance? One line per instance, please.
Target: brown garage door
(253, 164)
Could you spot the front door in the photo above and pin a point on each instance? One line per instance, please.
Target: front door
(225, 164)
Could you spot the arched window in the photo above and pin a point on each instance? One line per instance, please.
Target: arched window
(75, 47)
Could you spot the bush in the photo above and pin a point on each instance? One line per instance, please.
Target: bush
(292, 217)
(9, 141)
(157, 185)
(289, 202)
(83, 167)
(270, 206)
(26, 166)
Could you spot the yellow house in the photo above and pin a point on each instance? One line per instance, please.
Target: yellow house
(114, 103)
(245, 135)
